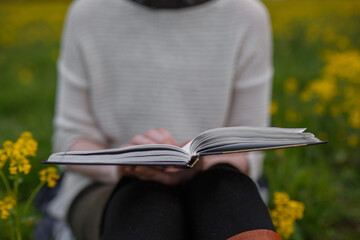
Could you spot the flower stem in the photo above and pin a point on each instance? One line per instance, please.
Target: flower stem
(16, 208)
(11, 229)
(31, 198)
(6, 182)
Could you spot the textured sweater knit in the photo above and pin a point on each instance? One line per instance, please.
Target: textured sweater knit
(125, 68)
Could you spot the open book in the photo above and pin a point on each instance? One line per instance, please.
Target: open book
(215, 141)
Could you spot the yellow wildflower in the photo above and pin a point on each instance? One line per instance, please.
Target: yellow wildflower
(5, 206)
(325, 89)
(25, 145)
(8, 147)
(345, 65)
(354, 118)
(3, 158)
(17, 153)
(281, 198)
(297, 209)
(274, 107)
(285, 213)
(49, 175)
(19, 164)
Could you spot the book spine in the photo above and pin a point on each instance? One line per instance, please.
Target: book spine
(193, 161)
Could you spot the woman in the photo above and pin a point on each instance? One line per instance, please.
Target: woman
(150, 71)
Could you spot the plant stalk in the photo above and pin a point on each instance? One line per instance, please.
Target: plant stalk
(16, 208)
(6, 182)
(31, 198)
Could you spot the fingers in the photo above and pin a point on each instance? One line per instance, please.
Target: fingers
(151, 173)
(125, 170)
(185, 142)
(159, 175)
(161, 136)
(171, 169)
(126, 145)
(154, 136)
(141, 140)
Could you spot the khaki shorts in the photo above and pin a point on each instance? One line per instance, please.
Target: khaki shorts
(86, 211)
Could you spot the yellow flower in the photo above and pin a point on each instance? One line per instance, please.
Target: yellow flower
(8, 147)
(285, 213)
(19, 164)
(17, 152)
(25, 145)
(297, 209)
(281, 198)
(3, 158)
(345, 65)
(325, 89)
(274, 107)
(49, 175)
(354, 118)
(5, 206)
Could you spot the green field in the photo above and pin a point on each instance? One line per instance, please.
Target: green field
(316, 85)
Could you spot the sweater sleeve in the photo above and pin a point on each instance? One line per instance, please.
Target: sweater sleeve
(73, 114)
(253, 80)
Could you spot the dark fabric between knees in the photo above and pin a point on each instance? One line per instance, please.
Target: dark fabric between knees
(144, 210)
(223, 202)
(216, 204)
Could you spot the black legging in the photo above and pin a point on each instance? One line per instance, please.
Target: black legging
(215, 204)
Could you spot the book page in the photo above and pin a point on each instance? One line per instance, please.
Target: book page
(252, 137)
(152, 154)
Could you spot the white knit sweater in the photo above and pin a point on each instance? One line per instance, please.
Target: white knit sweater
(125, 68)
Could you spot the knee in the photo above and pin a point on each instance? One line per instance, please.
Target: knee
(224, 179)
(142, 193)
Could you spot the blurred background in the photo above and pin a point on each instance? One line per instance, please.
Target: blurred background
(316, 85)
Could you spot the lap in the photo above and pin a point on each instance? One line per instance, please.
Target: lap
(220, 194)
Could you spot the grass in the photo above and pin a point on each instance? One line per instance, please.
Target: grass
(326, 178)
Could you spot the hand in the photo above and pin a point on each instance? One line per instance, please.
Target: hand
(168, 175)
(154, 136)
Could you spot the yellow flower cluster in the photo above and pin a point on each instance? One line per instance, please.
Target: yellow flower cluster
(18, 152)
(15, 154)
(5, 206)
(49, 176)
(285, 213)
(338, 87)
